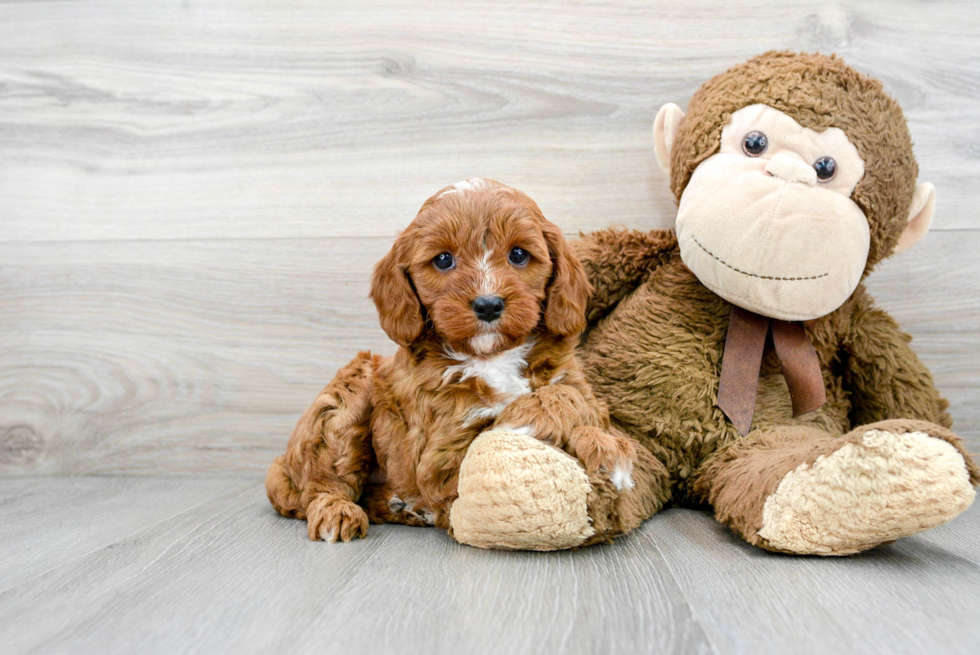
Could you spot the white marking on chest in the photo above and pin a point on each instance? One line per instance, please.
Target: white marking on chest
(504, 373)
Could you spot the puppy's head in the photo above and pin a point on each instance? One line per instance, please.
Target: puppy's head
(482, 268)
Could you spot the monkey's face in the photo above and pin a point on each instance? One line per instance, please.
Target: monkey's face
(768, 222)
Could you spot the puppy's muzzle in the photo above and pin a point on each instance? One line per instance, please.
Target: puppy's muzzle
(488, 308)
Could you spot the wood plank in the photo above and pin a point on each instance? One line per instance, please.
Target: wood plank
(918, 595)
(121, 120)
(619, 599)
(228, 575)
(231, 576)
(142, 357)
(50, 522)
(188, 356)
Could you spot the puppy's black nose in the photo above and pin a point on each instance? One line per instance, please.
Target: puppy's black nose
(488, 308)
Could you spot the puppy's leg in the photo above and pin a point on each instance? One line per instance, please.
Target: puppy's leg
(551, 413)
(329, 457)
(600, 451)
(437, 472)
(383, 505)
(564, 416)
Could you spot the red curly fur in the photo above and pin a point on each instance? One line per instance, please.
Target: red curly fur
(385, 439)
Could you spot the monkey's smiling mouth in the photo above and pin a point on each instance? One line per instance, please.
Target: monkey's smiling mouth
(763, 277)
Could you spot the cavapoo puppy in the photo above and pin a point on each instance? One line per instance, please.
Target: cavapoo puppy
(486, 301)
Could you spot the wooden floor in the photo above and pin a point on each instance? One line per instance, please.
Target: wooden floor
(192, 196)
(191, 564)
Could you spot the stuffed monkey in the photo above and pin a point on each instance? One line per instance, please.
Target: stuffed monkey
(742, 351)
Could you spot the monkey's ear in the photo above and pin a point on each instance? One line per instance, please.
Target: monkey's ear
(665, 127)
(920, 216)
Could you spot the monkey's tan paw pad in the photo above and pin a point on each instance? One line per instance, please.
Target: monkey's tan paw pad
(518, 493)
(885, 487)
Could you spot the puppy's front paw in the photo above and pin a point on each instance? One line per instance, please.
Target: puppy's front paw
(410, 512)
(548, 414)
(601, 451)
(331, 518)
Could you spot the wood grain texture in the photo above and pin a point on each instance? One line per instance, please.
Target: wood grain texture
(53, 522)
(180, 120)
(192, 195)
(913, 596)
(228, 575)
(231, 576)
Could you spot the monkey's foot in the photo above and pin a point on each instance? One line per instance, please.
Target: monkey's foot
(519, 493)
(882, 486)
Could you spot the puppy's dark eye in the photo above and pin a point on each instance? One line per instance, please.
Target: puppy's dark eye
(519, 256)
(444, 261)
(755, 143)
(826, 168)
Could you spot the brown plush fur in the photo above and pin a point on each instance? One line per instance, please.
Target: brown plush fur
(614, 512)
(655, 357)
(385, 439)
(656, 334)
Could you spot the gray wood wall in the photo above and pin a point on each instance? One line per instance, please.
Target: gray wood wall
(192, 195)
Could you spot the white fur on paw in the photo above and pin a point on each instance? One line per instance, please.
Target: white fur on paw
(329, 534)
(622, 476)
(888, 486)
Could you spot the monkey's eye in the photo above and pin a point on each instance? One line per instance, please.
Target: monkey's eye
(826, 168)
(755, 143)
(444, 261)
(519, 256)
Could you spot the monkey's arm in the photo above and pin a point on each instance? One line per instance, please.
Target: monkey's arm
(885, 377)
(617, 260)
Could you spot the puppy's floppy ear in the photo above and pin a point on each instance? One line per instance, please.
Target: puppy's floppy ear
(569, 289)
(393, 295)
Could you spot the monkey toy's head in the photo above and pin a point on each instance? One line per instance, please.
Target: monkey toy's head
(794, 176)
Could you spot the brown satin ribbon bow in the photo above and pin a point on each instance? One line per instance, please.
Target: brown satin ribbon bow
(743, 358)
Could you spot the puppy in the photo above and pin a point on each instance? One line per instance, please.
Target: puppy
(486, 302)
